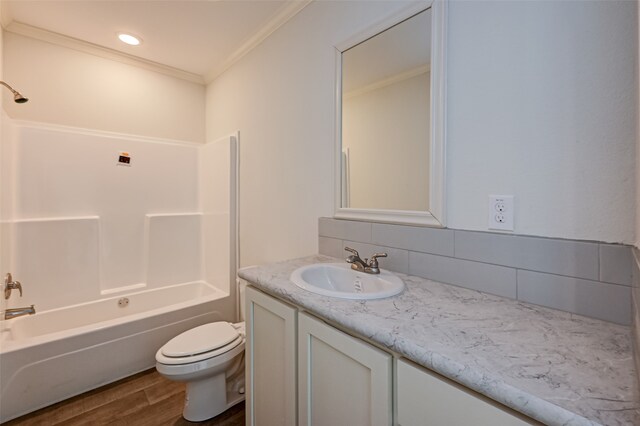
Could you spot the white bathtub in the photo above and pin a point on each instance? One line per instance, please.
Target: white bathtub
(56, 354)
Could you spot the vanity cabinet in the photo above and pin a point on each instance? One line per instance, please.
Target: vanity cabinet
(341, 380)
(426, 398)
(270, 361)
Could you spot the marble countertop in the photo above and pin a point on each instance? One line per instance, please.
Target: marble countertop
(553, 366)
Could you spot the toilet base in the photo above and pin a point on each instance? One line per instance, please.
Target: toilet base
(203, 399)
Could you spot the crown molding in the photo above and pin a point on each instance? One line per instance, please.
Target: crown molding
(405, 75)
(285, 13)
(103, 52)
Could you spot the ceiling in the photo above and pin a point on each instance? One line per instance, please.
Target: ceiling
(201, 38)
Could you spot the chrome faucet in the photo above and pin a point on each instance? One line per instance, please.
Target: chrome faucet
(19, 312)
(10, 284)
(366, 266)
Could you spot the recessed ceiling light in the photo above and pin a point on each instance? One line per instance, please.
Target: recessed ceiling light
(129, 39)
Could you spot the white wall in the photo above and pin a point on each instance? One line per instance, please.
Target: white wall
(77, 89)
(386, 131)
(542, 105)
(281, 98)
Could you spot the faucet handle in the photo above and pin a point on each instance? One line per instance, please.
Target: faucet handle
(374, 259)
(9, 285)
(17, 286)
(354, 251)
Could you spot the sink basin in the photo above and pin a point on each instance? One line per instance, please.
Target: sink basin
(339, 280)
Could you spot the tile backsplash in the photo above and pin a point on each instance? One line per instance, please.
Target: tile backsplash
(583, 277)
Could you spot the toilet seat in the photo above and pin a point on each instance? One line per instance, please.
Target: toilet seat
(204, 338)
(200, 343)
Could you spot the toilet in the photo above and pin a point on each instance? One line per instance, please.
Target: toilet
(210, 359)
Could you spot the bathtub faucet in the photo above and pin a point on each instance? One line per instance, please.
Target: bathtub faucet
(19, 312)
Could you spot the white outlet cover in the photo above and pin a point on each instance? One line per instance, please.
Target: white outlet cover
(501, 212)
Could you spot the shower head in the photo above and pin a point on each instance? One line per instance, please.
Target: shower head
(17, 97)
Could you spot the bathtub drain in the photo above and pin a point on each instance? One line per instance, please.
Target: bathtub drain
(124, 302)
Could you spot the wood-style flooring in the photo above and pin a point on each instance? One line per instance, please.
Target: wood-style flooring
(145, 399)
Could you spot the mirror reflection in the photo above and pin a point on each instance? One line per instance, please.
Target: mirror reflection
(386, 113)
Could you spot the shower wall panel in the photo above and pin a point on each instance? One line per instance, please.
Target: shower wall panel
(174, 249)
(6, 170)
(57, 260)
(218, 184)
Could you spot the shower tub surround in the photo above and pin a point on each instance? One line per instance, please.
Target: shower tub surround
(555, 367)
(117, 259)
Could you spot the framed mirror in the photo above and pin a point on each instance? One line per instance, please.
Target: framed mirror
(390, 132)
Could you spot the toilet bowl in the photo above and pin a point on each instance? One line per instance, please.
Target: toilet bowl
(210, 359)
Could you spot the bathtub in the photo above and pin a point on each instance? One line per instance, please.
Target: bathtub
(59, 353)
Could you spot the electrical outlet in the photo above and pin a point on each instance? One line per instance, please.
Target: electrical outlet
(501, 212)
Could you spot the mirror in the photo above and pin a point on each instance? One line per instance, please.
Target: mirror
(389, 139)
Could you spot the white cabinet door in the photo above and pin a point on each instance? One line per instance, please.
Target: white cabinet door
(427, 399)
(270, 361)
(342, 381)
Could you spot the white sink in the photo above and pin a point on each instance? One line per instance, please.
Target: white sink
(339, 280)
